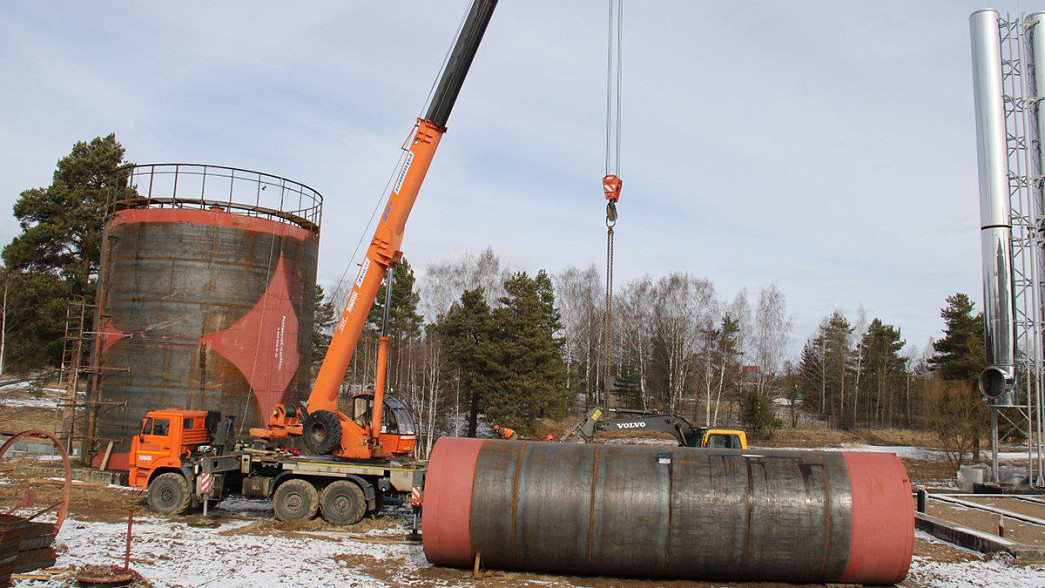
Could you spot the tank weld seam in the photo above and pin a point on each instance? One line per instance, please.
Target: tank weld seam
(827, 516)
(515, 493)
(591, 504)
(750, 508)
(671, 511)
(192, 260)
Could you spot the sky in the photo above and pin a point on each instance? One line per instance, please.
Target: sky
(825, 147)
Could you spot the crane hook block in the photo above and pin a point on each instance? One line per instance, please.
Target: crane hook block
(611, 184)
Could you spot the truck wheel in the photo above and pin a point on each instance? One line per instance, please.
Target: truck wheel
(169, 494)
(343, 503)
(322, 432)
(295, 500)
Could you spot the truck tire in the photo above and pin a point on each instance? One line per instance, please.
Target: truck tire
(343, 503)
(295, 500)
(322, 432)
(169, 494)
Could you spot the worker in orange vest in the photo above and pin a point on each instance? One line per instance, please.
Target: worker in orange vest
(505, 433)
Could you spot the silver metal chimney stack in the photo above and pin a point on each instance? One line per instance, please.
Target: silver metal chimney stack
(997, 382)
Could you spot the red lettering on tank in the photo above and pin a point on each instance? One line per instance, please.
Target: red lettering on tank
(263, 344)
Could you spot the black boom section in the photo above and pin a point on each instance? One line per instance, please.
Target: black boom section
(460, 60)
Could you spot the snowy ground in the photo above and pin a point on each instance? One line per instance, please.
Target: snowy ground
(245, 550)
(27, 394)
(176, 554)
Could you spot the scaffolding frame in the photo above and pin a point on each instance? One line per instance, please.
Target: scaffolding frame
(1023, 422)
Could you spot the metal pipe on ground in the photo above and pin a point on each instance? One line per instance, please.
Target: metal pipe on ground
(797, 516)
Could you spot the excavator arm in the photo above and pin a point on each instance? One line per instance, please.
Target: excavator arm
(325, 428)
(686, 434)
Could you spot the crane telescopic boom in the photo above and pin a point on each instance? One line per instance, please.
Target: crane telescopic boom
(388, 238)
(383, 252)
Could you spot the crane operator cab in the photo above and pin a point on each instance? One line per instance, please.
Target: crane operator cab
(398, 433)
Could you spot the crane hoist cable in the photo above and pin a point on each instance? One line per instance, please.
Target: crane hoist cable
(611, 182)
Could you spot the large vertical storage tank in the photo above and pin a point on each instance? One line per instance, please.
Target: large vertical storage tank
(205, 297)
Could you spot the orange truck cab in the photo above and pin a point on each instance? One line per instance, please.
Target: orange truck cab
(166, 437)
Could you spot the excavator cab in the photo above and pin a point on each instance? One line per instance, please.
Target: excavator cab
(724, 439)
(398, 433)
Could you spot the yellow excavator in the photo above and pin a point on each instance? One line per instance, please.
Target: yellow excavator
(631, 421)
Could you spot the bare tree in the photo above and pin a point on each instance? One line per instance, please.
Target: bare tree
(772, 330)
(580, 299)
(443, 281)
(859, 327)
(683, 309)
(740, 311)
(633, 314)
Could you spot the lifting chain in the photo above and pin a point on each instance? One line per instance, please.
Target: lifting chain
(611, 182)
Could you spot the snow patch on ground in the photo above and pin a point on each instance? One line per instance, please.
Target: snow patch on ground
(174, 554)
(996, 572)
(29, 402)
(52, 396)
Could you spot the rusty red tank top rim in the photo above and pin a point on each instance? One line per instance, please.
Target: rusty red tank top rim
(199, 186)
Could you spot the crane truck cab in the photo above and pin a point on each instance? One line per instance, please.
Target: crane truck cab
(188, 458)
(165, 452)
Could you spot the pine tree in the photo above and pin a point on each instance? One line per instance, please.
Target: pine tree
(530, 372)
(404, 320)
(959, 354)
(839, 357)
(884, 369)
(62, 223)
(466, 331)
(959, 358)
(323, 317)
(54, 261)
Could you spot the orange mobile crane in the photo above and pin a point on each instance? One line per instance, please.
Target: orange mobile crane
(325, 429)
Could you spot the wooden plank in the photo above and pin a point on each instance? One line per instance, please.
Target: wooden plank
(105, 459)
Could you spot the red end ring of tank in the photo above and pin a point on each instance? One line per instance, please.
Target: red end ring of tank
(446, 517)
(883, 519)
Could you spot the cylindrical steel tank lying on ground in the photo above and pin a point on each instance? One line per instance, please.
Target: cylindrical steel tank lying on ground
(660, 512)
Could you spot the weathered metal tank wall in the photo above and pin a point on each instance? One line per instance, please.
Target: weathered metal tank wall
(204, 303)
(794, 516)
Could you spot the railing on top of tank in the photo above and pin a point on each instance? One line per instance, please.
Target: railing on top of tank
(191, 185)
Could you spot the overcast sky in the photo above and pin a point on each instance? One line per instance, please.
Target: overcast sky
(827, 147)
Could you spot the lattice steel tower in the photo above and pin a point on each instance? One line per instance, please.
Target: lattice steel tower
(1007, 53)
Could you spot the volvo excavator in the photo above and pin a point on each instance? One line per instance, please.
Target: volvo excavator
(324, 428)
(631, 421)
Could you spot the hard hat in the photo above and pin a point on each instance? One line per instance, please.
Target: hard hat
(549, 437)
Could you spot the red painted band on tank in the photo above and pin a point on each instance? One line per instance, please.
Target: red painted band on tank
(883, 519)
(213, 218)
(447, 513)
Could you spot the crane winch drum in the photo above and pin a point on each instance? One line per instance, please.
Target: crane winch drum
(656, 512)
